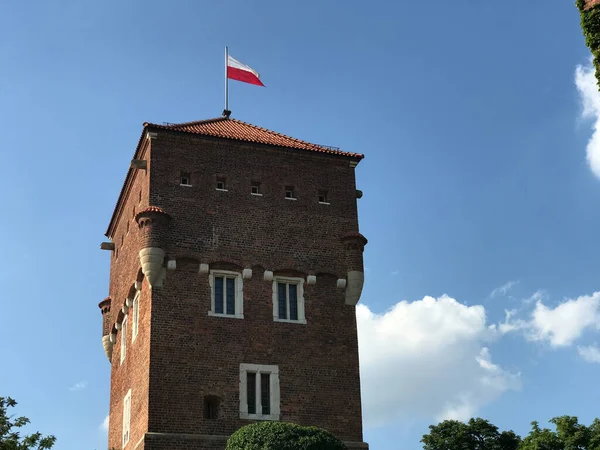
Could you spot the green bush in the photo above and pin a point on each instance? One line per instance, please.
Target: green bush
(282, 436)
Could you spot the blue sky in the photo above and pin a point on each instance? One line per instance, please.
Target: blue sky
(482, 171)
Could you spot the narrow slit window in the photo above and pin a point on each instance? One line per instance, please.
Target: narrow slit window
(251, 390)
(255, 188)
(123, 338)
(221, 185)
(186, 179)
(289, 192)
(219, 282)
(136, 314)
(281, 292)
(265, 393)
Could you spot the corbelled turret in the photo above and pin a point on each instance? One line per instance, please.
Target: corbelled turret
(153, 223)
(354, 246)
(104, 306)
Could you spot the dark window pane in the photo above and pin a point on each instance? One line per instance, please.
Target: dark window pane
(281, 288)
(265, 393)
(293, 302)
(251, 389)
(230, 292)
(219, 295)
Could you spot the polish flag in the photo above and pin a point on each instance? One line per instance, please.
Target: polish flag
(241, 72)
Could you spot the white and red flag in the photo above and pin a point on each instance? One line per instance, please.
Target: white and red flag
(241, 72)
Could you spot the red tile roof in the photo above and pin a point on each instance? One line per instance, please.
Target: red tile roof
(224, 127)
(154, 209)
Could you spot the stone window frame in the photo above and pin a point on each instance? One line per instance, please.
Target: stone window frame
(274, 391)
(124, 339)
(126, 428)
(135, 316)
(239, 293)
(299, 282)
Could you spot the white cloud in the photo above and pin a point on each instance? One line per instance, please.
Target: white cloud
(428, 359)
(590, 353)
(501, 291)
(104, 424)
(585, 80)
(79, 386)
(559, 326)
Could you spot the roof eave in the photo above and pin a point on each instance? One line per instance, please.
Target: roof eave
(111, 224)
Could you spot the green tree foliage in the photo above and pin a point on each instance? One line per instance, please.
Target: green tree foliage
(477, 434)
(590, 25)
(10, 436)
(282, 436)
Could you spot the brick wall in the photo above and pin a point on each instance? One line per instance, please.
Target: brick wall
(182, 354)
(124, 271)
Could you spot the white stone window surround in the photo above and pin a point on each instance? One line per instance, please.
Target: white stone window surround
(239, 293)
(123, 338)
(275, 397)
(126, 417)
(299, 282)
(135, 307)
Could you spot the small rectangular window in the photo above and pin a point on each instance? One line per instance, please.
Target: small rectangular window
(255, 188)
(290, 193)
(211, 407)
(221, 185)
(323, 197)
(186, 179)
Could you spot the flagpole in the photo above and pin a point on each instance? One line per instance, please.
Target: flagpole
(226, 82)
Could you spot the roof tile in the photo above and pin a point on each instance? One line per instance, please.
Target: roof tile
(225, 127)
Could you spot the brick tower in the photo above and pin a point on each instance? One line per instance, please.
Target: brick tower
(236, 266)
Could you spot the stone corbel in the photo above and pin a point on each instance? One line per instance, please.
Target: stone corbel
(161, 278)
(152, 264)
(107, 344)
(341, 283)
(311, 279)
(171, 264)
(203, 269)
(247, 274)
(268, 275)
